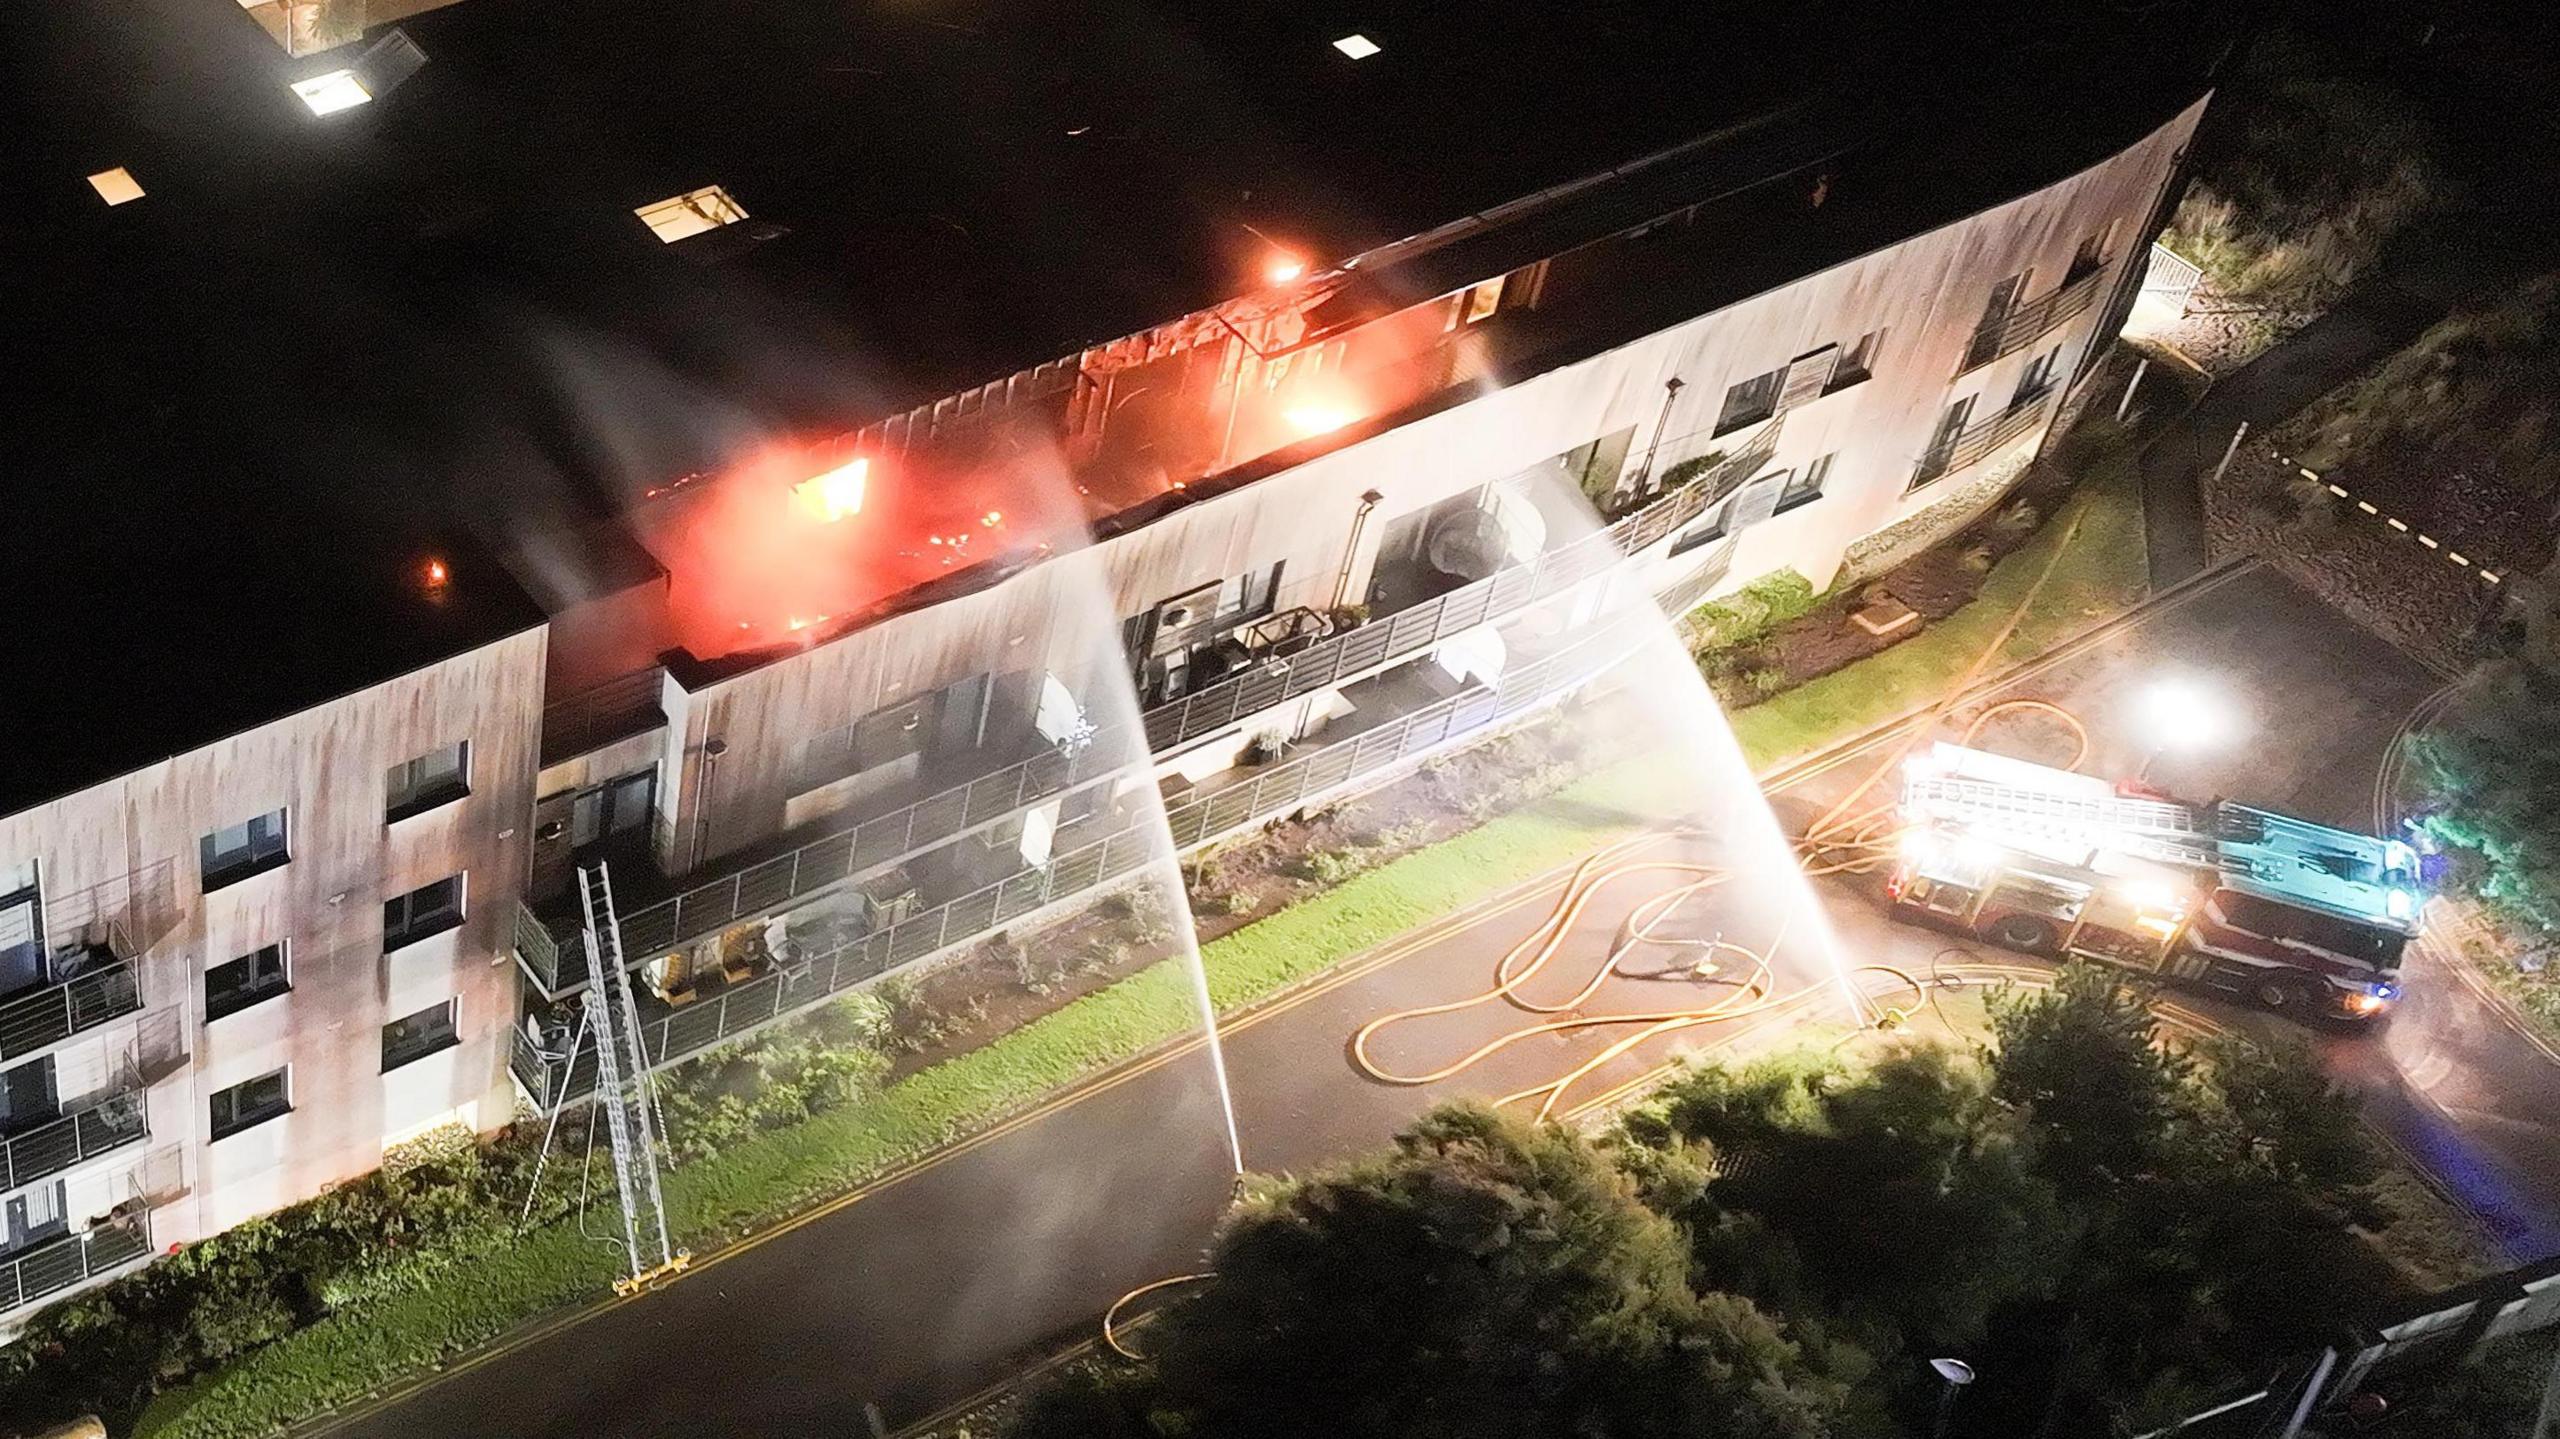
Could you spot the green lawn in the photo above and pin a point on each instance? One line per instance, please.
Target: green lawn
(2100, 573)
(354, 1353)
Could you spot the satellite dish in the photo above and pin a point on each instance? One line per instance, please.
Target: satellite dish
(1954, 1371)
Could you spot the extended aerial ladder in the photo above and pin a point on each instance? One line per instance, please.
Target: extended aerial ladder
(2162, 830)
(622, 1088)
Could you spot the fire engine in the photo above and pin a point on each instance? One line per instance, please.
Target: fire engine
(2299, 917)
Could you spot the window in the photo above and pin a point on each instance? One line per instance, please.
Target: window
(430, 909)
(1942, 445)
(620, 806)
(682, 216)
(335, 91)
(414, 1037)
(1750, 402)
(1857, 361)
(1705, 532)
(2039, 376)
(1358, 47)
(249, 1103)
(439, 776)
(1484, 299)
(32, 1218)
(116, 186)
(228, 856)
(1805, 485)
(234, 985)
(2092, 254)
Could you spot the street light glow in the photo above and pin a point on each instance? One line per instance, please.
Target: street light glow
(2183, 712)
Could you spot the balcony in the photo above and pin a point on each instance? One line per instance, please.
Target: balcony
(2024, 324)
(50, 1268)
(762, 884)
(804, 977)
(99, 988)
(1977, 441)
(51, 1148)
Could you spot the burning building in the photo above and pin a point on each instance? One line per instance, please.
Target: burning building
(855, 464)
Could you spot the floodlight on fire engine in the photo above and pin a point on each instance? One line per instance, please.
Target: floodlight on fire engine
(2398, 903)
(1919, 847)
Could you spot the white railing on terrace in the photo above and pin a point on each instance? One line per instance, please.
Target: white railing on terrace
(43, 1270)
(806, 978)
(2024, 324)
(1979, 440)
(766, 885)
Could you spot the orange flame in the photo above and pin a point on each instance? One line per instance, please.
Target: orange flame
(835, 494)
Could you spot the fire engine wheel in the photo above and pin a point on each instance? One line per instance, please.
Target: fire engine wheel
(2286, 995)
(2018, 931)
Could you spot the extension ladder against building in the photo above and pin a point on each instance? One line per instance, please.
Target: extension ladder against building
(622, 1087)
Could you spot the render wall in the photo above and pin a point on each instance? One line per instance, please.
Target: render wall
(1926, 294)
(127, 851)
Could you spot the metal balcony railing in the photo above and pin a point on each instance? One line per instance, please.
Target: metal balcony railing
(49, 1149)
(809, 977)
(29, 1022)
(48, 1269)
(2007, 334)
(1979, 440)
(874, 844)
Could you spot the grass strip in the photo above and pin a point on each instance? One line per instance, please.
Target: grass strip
(354, 1353)
(2103, 572)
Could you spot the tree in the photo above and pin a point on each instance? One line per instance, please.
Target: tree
(1900, 1199)
(1487, 1278)
(2492, 771)
(2082, 1061)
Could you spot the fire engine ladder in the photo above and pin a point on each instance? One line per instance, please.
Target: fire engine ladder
(2160, 830)
(622, 1088)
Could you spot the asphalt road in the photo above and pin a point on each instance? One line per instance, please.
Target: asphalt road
(924, 1289)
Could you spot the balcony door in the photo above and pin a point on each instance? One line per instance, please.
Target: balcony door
(28, 1097)
(21, 941)
(31, 1218)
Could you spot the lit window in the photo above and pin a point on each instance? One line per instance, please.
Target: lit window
(328, 94)
(1484, 299)
(437, 777)
(1358, 47)
(691, 213)
(116, 186)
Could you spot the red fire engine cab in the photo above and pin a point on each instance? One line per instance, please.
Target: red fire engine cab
(2297, 916)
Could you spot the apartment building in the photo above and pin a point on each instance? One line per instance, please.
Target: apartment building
(1339, 497)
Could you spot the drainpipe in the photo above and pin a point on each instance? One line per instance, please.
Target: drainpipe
(1670, 392)
(1369, 500)
(712, 749)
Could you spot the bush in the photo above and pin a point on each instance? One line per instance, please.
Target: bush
(787, 1075)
